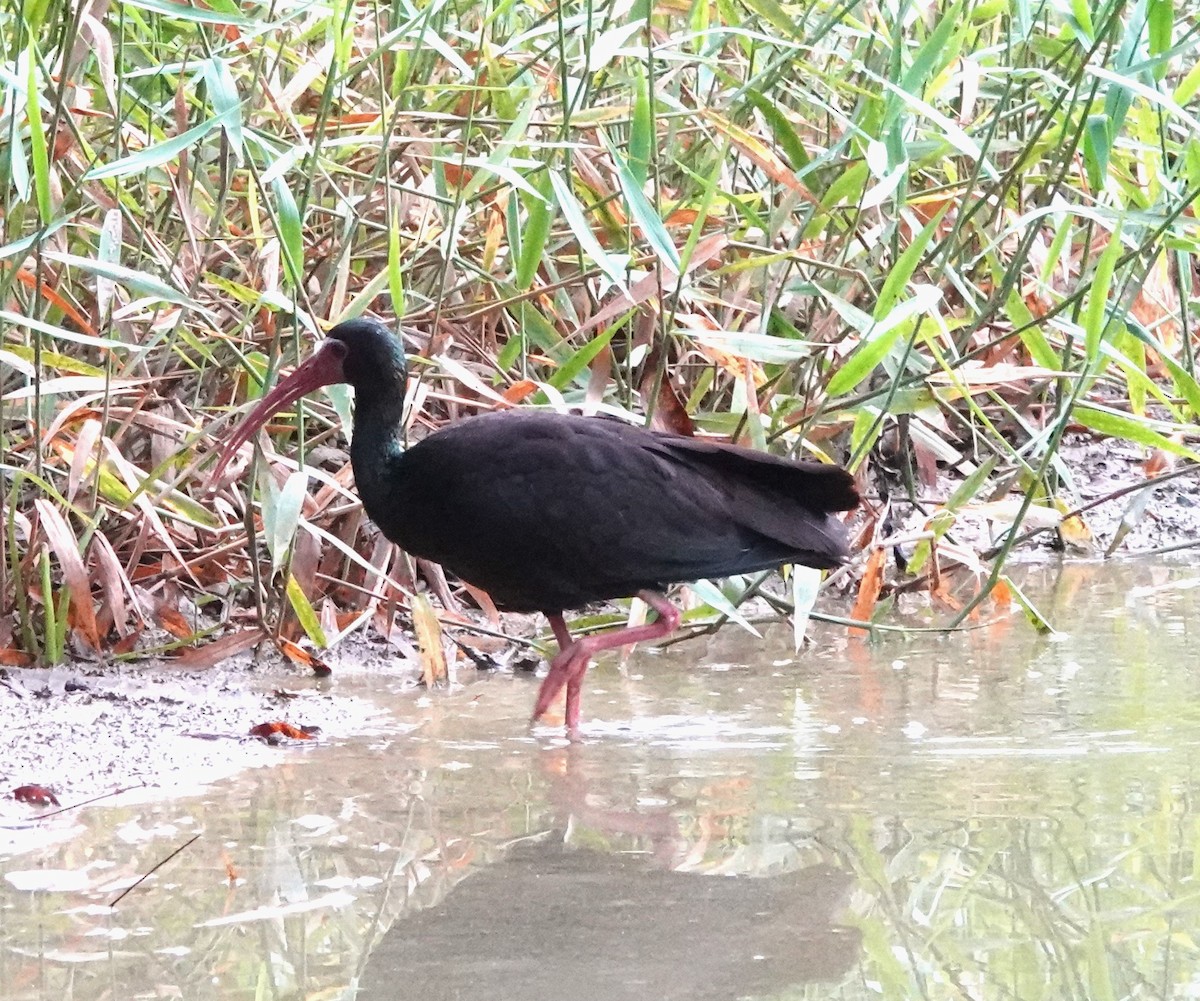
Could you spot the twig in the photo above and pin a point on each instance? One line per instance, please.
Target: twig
(1163, 550)
(158, 865)
(1129, 488)
(86, 802)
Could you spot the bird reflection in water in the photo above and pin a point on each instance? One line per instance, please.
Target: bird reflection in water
(553, 920)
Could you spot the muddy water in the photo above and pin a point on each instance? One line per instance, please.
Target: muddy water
(991, 814)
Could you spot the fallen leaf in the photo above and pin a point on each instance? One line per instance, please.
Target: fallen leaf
(869, 588)
(201, 658)
(303, 658)
(279, 729)
(35, 794)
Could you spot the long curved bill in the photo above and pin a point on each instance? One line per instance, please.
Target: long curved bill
(322, 368)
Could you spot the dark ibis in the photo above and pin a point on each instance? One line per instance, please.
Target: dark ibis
(549, 511)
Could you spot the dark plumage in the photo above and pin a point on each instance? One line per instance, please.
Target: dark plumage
(549, 511)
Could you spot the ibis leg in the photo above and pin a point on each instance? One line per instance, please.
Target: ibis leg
(569, 667)
(559, 627)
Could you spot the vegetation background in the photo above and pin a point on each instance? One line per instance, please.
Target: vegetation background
(924, 238)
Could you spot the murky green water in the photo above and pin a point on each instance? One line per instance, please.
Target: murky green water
(984, 815)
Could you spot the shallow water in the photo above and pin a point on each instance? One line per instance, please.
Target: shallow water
(990, 814)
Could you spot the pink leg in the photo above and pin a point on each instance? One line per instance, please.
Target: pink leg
(561, 633)
(568, 668)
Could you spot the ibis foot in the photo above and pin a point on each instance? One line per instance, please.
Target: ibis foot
(569, 666)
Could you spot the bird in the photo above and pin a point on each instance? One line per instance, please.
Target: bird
(549, 511)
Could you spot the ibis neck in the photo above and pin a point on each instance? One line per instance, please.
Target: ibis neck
(376, 450)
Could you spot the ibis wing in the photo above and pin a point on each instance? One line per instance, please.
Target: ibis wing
(546, 511)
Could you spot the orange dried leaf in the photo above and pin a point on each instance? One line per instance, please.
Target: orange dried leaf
(355, 118)
(303, 658)
(30, 280)
(280, 728)
(871, 585)
(172, 620)
(485, 603)
(519, 390)
(1160, 461)
(681, 218)
(456, 175)
(942, 593)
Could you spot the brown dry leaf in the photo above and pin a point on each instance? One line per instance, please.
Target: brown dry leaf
(75, 575)
(927, 467)
(345, 619)
(599, 376)
(707, 248)
(10, 657)
(942, 594)
(112, 581)
(1160, 461)
(640, 291)
(201, 658)
(1002, 595)
(667, 411)
(303, 658)
(590, 175)
(312, 65)
(762, 155)
(869, 588)
(681, 218)
(127, 644)
(165, 615)
(429, 640)
(350, 118)
(926, 207)
(456, 175)
(485, 603)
